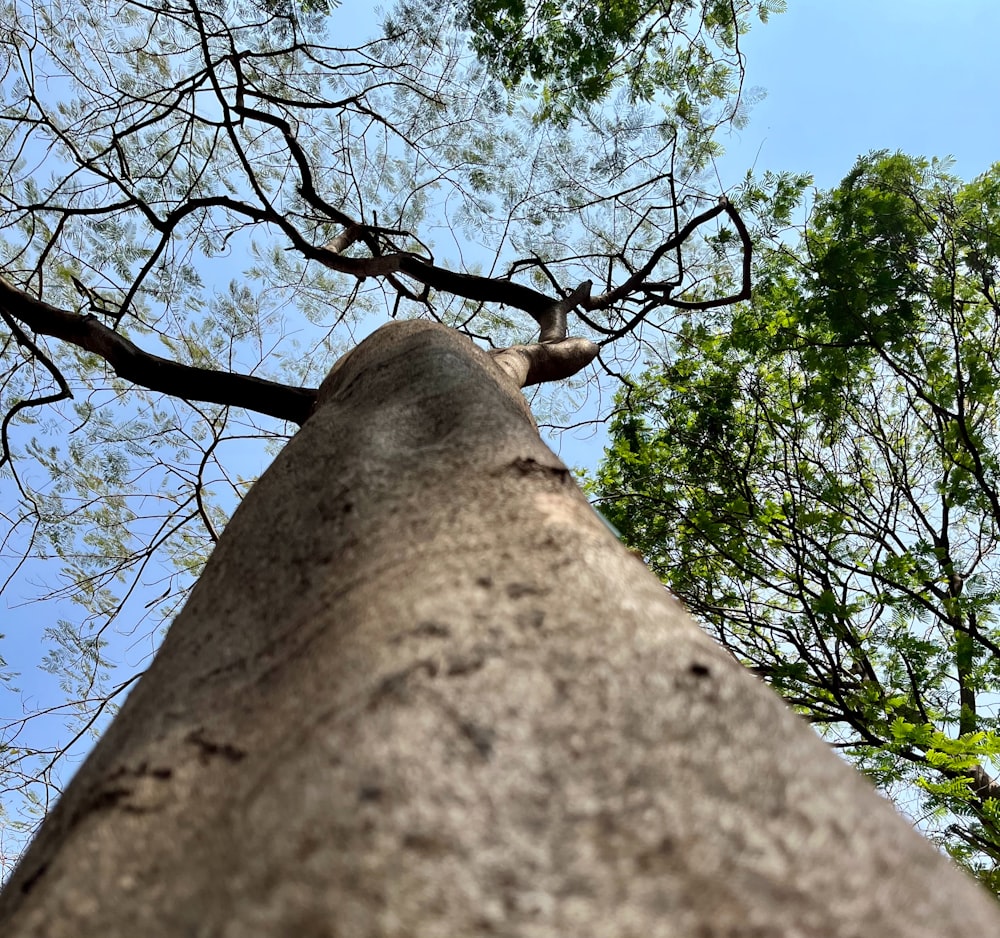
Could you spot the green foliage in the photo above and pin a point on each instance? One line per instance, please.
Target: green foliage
(576, 53)
(816, 476)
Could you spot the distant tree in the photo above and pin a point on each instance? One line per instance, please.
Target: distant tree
(817, 475)
(202, 204)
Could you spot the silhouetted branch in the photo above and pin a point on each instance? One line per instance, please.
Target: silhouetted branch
(150, 371)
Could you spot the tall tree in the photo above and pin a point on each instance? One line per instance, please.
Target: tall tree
(421, 690)
(817, 478)
(202, 202)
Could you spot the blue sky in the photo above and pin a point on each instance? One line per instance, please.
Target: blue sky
(844, 77)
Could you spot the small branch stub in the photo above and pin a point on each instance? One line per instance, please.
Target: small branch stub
(552, 322)
(552, 361)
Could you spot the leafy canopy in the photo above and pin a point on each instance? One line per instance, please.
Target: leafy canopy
(816, 474)
(576, 53)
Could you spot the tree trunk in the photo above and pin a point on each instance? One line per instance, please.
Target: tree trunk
(420, 690)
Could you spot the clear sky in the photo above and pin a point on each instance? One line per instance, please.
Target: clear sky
(842, 77)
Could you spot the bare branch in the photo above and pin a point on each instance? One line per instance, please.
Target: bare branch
(150, 371)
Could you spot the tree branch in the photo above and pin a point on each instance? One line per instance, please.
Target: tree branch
(150, 371)
(980, 782)
(553, 361)
(549, 313)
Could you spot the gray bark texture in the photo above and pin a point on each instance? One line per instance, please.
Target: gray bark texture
(421, 690)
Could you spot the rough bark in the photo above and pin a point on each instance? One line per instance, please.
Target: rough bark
(421, 690)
